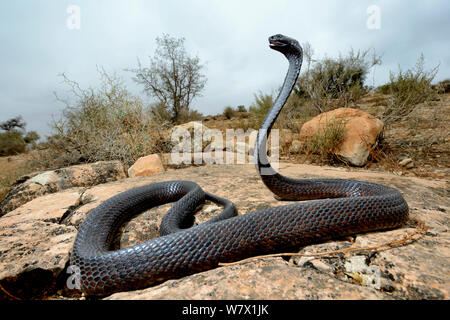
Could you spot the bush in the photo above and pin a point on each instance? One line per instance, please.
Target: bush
(406, 90)
(325, 141)
(332, 83)
(188, 115)
(104, 124)
(263, 103)
(11, 143)
(241, 108)
(228, 112)
(443, 86)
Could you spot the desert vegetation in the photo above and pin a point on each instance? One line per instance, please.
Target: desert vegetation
(110, 123)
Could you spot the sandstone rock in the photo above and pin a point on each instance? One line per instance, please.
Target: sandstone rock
(37, 184)
(38, 236)
(360, 132)
(146, 166)
(259, 279)
(407, 163)
(34, 246)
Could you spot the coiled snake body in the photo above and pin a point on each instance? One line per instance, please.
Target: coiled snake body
(342, 207)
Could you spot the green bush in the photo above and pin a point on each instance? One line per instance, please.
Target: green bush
(11, 143)
(228, 112)
(188, 115)
(241, 108)
(325, 141)
(331, 83)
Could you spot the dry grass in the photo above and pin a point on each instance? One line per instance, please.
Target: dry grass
(324, 142)
(14, 167)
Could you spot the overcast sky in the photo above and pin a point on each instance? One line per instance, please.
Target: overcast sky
(229, 37)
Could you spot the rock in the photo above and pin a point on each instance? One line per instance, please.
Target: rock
(37, 184)
(195, 130)
(360, 132)
(407, 163)
(372, 276)
(35, 247)
(36, 239)
(146, 166)
(410, 165)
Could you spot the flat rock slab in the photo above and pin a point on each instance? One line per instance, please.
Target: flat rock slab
(38, 184)
(418, 270)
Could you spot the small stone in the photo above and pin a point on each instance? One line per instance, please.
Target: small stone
(405, 162)
(322, 266)
(410, 165)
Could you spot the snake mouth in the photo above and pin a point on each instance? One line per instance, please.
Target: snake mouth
(276, 44)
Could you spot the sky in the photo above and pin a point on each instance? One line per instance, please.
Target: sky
(40, 39)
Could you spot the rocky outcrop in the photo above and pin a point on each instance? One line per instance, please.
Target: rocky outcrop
(146, 166)
(35, 245)
(36, 239)
(361, 131)
(31, 186)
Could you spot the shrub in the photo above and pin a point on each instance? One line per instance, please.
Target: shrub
(103, 124)
(331, 83)
(324, 142)
(11, 143)
(443, 86)
(406, 90)
(188, 115)
(228, 112)
(241, 108)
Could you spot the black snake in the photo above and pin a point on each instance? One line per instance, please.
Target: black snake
(351, 207)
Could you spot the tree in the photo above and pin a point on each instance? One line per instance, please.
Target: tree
(13, 123)
(12, 141)
(173, 77)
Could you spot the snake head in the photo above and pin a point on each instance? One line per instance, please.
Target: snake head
(284, 44)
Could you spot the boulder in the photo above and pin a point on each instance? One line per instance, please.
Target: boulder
(31, 186)
(146, 166)
(35, 246)
(196, 129)
(36, 240)
(361, 131)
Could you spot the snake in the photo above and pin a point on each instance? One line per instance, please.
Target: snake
(337, 208)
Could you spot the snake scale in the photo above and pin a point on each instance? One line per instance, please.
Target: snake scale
(341, 207)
